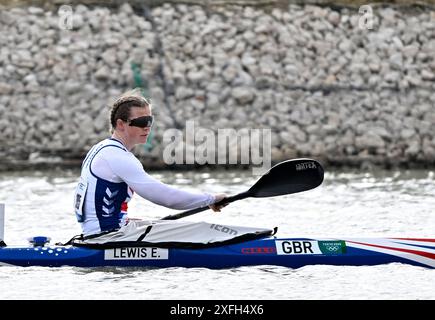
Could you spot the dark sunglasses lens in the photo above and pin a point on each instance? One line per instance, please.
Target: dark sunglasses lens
(142, 122)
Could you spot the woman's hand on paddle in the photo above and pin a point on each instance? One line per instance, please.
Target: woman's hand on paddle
(219, 197)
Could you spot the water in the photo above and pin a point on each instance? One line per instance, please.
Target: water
(352, 204)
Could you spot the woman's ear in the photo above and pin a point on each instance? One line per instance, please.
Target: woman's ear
(120, 125)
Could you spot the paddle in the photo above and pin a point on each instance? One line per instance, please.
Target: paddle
(287, 177)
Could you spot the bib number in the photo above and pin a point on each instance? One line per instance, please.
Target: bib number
(79, 199)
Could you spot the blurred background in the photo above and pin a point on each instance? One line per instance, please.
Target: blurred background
(348, 83)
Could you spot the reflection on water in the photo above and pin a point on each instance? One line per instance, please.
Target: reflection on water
(348, 203)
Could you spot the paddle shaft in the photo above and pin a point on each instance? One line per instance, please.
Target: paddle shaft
(230, 199)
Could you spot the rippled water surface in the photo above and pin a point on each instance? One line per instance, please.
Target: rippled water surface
(353, 204)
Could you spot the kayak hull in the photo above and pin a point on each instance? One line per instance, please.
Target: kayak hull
(286, 252)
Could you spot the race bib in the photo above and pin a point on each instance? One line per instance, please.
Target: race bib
(79, 199)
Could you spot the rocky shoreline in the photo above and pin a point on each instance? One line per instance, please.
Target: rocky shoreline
(325, 85)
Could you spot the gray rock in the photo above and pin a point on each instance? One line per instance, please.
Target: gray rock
(72, 87)
(126, 8)
(396, 61)
(5, 88)
(229, 44)
(393, 77)
(427, 75)
(212, 101)
(230, 73)
(243, 95)
(414, 147)
(369, 140)
(37, 11)
(346, 46)
(184, 93)
(334, 18)
(407, 133)
(102, 73)
(196, 76)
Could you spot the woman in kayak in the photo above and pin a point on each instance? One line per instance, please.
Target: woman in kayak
(111, 173)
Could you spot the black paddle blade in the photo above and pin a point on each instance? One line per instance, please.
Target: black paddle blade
(286, 177)
(290, 176)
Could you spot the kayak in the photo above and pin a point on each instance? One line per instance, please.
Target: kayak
(287, 177)
(286, 252)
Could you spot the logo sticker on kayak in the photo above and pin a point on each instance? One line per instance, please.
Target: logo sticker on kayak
(332, 247)
(136, 253)
(309, 247)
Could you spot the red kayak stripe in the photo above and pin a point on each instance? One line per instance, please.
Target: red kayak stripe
(420, 253)
(416, 239)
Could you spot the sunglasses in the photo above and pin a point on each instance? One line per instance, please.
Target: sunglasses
(141, 122)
